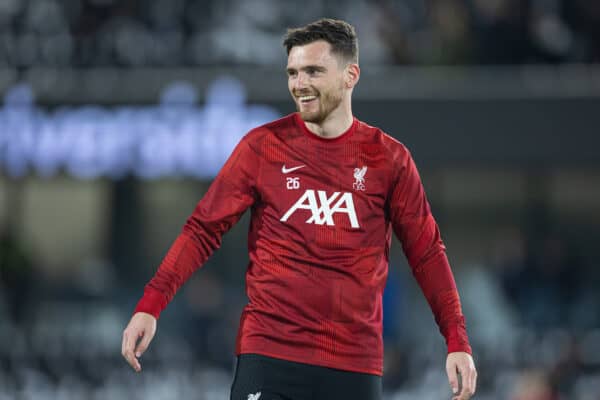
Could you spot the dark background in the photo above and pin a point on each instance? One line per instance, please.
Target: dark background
(498, 101)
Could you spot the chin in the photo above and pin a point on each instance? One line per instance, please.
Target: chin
(314, 117)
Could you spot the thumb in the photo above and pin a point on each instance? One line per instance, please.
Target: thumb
(143, 344)
(452, 377)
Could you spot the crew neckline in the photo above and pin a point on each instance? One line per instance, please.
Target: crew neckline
(344, 136)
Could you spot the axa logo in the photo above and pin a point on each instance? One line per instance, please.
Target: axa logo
(322, 207)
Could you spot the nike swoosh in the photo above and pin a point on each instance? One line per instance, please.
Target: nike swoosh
(288, 170)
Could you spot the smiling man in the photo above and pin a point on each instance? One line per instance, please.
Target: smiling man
(326, 192)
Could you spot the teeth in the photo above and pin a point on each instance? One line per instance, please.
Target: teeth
(307, 98)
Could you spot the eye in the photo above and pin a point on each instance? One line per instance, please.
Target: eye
(291, 73)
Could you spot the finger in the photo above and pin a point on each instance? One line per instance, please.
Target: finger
(124, 344)
(135, 364)
(465, 393)
(128, 355)
(468, 390)
(473, 380)
(127, 351)
(143, 344)
(452, 378)
(470, 380)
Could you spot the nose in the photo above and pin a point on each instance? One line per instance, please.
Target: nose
(301, 81)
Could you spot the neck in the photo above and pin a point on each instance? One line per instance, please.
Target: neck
(336, 123)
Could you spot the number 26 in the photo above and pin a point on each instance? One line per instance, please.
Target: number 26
(293, 183)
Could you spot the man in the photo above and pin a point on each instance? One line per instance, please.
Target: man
(326, 191)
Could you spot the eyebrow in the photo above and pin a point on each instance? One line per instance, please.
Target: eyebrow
(307, 67)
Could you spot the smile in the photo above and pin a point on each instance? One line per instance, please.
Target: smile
(305, 99)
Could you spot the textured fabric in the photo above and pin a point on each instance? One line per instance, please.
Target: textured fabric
(323, 212)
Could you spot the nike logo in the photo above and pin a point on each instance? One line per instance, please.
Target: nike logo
(288, 170)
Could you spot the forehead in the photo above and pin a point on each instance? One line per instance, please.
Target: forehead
(315, 53)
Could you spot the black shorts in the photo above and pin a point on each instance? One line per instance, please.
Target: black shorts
(259, 377)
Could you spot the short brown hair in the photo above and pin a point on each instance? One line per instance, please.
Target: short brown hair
(339, 34)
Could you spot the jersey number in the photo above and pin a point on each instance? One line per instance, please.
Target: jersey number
(293, 183)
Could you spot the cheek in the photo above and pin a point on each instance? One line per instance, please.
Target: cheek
(335, 85)
(334, 90)
(341, 83)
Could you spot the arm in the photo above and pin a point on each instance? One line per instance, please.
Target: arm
(419, 234)
(230, 194)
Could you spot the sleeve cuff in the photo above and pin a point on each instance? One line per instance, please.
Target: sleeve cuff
(457, 340)
(152, 303)
(456, 347)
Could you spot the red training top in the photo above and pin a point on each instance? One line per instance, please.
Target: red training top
(323, 211)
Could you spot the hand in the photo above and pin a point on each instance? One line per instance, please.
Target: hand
(462, 363)
(142, 327)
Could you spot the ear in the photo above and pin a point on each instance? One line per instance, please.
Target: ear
(351, 75)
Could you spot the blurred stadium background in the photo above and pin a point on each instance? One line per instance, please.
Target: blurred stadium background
(117, 114)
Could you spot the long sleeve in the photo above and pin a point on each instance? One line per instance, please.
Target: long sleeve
(419, 234)
(231, 193)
